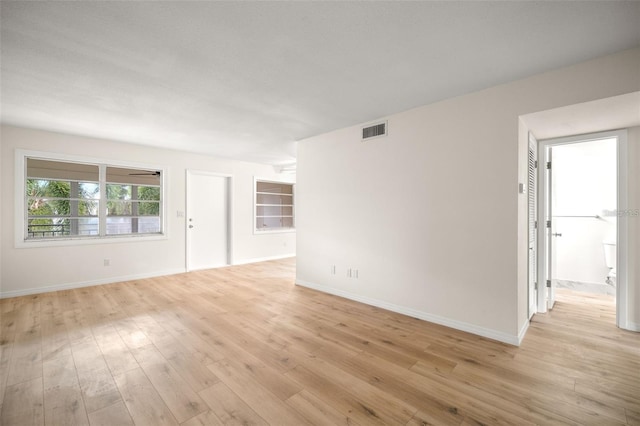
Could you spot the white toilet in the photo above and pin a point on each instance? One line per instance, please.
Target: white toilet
(610, 259)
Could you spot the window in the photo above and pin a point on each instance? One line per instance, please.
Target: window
(62, 199)
(274, 206)
(72, 200)
(133, 201)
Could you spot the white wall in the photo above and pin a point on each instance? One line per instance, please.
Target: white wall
(584, 184)
(30, 270)
(430, 215)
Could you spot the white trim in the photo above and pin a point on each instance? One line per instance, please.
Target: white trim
(20, 231)
(264, 259)
(622, 237)
(187, 240)
(80, 241)
(622, 299)
(91, 283)
(633, 326)
(447, 322)
(274, 231)
(523, 331)
(206, 268)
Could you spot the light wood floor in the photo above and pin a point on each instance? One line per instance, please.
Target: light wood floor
(243, 345)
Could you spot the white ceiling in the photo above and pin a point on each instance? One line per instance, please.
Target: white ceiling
(245, 80)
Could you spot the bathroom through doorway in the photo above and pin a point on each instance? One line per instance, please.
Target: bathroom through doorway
(584, 222)
(579, 178)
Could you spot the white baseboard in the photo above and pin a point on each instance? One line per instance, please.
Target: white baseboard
(263, 259)
(523, 331)
(447, 322)
(47, 289)
(633, 326)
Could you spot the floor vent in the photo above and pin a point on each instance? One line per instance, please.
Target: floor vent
(374, 131)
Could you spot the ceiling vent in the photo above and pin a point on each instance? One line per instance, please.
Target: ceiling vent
(374, 131)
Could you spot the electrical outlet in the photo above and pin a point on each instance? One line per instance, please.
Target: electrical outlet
(355, 273)
(107, 262)
(333, 269)
(349, 272)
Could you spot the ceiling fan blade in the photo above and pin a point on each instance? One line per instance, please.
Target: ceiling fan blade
(145, 174)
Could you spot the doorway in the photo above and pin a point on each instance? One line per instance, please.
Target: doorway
(208, 240)
(581, 242)
(584, 202)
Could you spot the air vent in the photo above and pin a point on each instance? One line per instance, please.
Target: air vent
(374, 131)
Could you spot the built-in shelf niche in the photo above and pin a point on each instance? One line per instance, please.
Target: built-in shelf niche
(274, 206)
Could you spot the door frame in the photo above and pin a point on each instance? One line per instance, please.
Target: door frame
(621, 222)
(229, 179)
(532, 196)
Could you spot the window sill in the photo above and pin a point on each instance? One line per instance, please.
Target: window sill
(274, 231)
(80, 241)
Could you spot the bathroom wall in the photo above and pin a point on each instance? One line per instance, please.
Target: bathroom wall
(584, 186)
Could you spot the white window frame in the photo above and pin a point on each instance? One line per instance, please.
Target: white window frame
(255, 206)
(20, 230)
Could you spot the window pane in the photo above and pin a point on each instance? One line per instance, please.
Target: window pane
(88, 226)
(118, 192)
(140, 177)
(119, 208)
(148, 225)
(149, 193)
(56, 227)
(88, 208)
(47, 207)
(149, 197)
(132, 225)
(61, 208)
(61, 170)
(148, 208)
(118, 225)
(48, 228)
(89, 190)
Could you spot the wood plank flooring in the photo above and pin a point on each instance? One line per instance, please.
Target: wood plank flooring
(244, 346)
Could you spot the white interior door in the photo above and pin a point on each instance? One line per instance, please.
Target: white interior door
(532, 196)
(549, 234)
(544, 241)
(207, 220)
